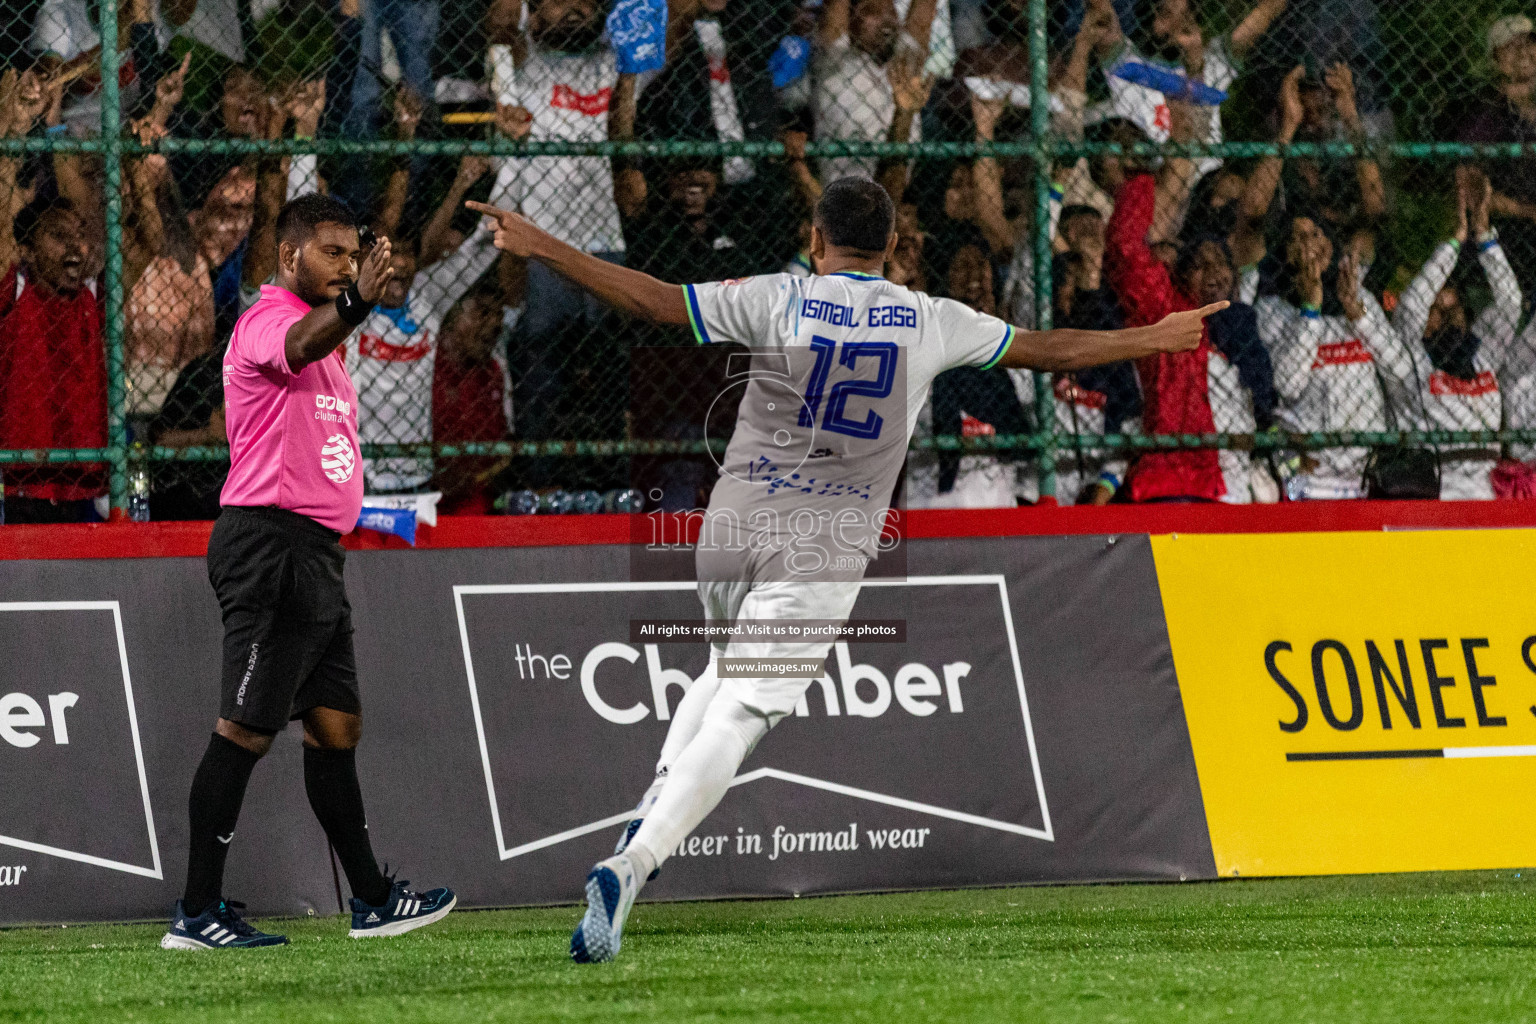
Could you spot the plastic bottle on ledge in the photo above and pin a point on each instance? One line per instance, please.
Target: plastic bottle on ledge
(1288, 467)
(627, 500)
(588, 502)
(556, 502)
(518, 503)
(138, 487)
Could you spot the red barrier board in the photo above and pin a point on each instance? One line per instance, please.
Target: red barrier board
(190, 539)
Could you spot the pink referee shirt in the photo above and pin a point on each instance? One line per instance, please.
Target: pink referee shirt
(292, 437)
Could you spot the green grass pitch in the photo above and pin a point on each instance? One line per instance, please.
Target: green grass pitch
(1392, 948)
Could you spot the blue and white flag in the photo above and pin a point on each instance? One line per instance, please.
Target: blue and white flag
(399, 521)
(788, 62)
(1172, 83)
(637, 29)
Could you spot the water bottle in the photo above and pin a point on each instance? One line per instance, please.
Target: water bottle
(522, 503)
(588, 502)
(556, 502)
(1288, 467)
(138, 489)
(627, 500)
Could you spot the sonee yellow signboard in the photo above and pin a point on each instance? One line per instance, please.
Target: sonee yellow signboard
(1359, 702)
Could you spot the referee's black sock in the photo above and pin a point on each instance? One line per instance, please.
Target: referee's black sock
(218, 790)
(330, 779)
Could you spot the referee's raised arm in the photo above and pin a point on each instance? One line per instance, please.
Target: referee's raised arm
(639, 295)
(330, 258)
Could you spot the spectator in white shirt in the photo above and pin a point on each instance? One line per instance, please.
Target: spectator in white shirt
(1326, 337)
(563, 84)
(391, 357)
(861, 46)
(1446, 375)
(1519, 386)
(1175, 38)
(967, 402)
(1325, 333)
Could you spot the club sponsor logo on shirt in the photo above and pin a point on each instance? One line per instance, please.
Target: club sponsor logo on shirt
(1342, 353)
(1442, 383)
(332, 409)
(337, 458)
(563, 97)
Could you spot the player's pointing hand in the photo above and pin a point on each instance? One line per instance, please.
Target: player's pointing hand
(376, 272)
(514, 232)
(1180, 332)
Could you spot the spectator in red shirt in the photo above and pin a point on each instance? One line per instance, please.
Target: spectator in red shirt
(53, 378)
(469, 400)
(1175, 386)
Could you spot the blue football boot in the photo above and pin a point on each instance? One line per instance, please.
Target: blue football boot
(611, 890)
(218, 927)
(402, 912)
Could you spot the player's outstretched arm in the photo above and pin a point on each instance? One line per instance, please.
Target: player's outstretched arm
(639, 295)
(1053, 351)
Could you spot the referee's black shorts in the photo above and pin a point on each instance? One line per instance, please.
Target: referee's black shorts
(287, 623)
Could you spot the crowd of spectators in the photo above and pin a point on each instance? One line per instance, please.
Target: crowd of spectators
(1367, 295)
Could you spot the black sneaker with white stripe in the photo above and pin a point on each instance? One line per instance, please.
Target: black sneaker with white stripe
(404, 911)
(218, 927)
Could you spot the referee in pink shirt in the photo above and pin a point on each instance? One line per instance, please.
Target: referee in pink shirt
(275, 561)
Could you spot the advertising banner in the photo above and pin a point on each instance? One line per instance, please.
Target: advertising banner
(1026, 727)
(1364, 702)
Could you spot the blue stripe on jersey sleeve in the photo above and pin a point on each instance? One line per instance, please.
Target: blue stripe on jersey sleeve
(695, 316)
(1007, 340)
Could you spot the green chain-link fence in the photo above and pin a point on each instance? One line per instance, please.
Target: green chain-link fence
(1358, 176)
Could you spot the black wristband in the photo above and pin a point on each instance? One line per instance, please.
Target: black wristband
(351, 307)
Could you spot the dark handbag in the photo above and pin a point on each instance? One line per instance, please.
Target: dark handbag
(1402, 473)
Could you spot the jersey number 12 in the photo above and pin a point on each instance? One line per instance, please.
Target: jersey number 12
(835, 418)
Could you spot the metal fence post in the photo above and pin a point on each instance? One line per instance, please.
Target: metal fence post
(1040, 127)
(112, 275)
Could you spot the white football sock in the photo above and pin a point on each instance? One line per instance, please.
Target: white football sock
(643, 863)
(698, 780)
(685, 726)
(687, 719)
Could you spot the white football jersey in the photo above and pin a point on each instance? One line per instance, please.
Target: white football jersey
(826, 402)
(392, 356)
(571, 197)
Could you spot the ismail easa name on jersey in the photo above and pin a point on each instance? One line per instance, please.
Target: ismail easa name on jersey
(846, 316)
